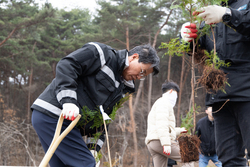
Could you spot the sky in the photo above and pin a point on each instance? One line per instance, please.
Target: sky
(70, 4)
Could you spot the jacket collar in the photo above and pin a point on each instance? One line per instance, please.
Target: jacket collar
(123, 59)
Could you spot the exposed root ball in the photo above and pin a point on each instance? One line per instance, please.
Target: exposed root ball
(213, 79)
(189, 147)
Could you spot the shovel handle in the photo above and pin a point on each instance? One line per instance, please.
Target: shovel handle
(58, 138)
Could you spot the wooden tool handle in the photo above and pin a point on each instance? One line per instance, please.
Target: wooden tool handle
(58, 138)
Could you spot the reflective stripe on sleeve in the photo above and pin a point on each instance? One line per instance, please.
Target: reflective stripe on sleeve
(48, 106)
(66, 93)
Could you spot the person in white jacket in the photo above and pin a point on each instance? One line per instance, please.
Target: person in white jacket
(161, 130)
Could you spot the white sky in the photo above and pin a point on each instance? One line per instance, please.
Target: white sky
(70, 4)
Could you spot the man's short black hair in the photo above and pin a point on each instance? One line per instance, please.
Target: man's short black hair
(168, 85)
(147, 55)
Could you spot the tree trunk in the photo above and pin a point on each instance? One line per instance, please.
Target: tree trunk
(133, 129)
(28, 103)
(29, 89)
(54, 66)
(193, 86)
(122, 124)
(169, 67)
(138, 95)
(178, 122)
(132, 111)
(127, 38)
(29, 95)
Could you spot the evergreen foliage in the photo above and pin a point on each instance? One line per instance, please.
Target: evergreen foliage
(96, 115)
(141, 18)
(187, 120)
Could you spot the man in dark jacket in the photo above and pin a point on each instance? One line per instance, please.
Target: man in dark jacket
(205, 131)
(231, 109)
(93, 75)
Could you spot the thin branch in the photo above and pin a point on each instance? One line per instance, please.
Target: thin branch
(159, 30)
(12, 32)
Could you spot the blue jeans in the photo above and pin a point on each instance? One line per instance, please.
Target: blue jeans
(203, 160)
(232, 132)
(72, 151)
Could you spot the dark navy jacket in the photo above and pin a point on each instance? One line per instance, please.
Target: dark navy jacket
(232, 45)
(205, 131)
(89, 76)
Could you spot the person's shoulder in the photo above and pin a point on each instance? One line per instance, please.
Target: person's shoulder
(163, 101)
(203, 119)
(158, 99)
(102, 45)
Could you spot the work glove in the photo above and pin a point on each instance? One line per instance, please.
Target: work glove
(188, 32)
(180, 130)
(211, 14)
(70, 111)
(183, 130)
(94, 153)
(167, 150)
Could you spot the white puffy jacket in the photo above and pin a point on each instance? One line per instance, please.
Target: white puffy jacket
(161, 123)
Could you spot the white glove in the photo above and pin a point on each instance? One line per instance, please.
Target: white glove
(94, 153)
(70, 111)
(183, 130)
(212, 14)
(188, 32)
(167, 150)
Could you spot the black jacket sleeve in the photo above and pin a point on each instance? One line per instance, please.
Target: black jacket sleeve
(240, 21)
(71, 68)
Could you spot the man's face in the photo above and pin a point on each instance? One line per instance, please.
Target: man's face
(209, 113)
(136, 70)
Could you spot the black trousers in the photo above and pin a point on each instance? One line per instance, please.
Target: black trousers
(232, 132)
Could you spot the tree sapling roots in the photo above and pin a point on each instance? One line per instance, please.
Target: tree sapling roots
(189, 147)
(213, 79)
